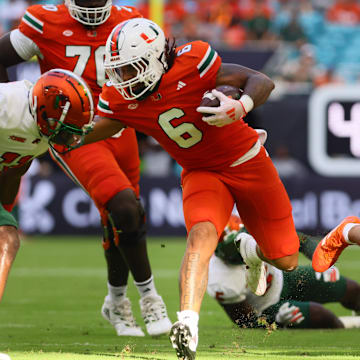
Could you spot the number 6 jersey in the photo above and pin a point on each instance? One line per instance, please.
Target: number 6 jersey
(169, 114)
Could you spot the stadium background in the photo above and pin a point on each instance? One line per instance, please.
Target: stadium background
(305, 46)
(56, 287)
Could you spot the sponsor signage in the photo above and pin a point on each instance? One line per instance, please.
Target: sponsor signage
(54, 205)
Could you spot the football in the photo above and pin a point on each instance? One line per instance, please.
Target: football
(210, 100)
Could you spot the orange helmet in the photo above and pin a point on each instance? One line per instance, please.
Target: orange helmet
(62, 105)
(234, 224)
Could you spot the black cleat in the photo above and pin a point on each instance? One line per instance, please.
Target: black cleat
(183, 342)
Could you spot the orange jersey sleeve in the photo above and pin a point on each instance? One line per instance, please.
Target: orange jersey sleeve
(65, 43)
(169, 114)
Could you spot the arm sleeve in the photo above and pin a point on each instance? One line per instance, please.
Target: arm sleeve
(307, 244)
(24, 46)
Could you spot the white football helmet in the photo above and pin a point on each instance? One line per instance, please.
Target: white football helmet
(91, 16)
(138, 46)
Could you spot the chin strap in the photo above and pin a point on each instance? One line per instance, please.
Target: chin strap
(78, 140)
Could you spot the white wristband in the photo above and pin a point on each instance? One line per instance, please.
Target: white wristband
(247, 102)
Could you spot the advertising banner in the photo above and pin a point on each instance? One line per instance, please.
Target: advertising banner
(54, 205)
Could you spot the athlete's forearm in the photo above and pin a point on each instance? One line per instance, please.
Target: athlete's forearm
(258, 87)
(10, 183)
(8, 57)
(254, 84)
(103, 129)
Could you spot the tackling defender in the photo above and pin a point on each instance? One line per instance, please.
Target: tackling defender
(32, 118)
(73, 36)
(223, 160)
(291, 300)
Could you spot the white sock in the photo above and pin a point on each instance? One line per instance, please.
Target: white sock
(346, 230)
(190, 318)
(146, 287)
(117, 293)
(350, 322)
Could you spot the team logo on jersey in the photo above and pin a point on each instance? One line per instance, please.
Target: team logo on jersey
(156, 97)
(91, 33)
(180, 85)
(133, 106)
(17, 138)
(68, 33)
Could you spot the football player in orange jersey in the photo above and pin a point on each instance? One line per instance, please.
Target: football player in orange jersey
(157, 88)
(73, 36)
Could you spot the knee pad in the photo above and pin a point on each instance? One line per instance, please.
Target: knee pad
(125, 225)
(132, 239)
(126, 213)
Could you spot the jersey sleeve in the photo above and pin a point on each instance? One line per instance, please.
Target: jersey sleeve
(24, 46)
(32, 24)
(200, 61)
(106, 106)
(209, 60)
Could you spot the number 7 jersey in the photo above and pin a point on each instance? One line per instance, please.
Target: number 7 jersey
(169, 114)
(67, 44)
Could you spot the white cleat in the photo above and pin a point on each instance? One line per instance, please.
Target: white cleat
(256, 270)
(153, 311)
(121, 317)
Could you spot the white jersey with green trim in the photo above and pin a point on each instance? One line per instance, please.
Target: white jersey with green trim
(275, 281)
(20, 140)
(227, 284)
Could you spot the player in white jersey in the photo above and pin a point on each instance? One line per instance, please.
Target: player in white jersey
(291, 299)
(57, 109)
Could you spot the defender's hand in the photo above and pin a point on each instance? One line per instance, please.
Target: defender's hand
(330, 275)
(288, 315)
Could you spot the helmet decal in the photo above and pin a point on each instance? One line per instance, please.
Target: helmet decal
(134, 57)
(62, 105)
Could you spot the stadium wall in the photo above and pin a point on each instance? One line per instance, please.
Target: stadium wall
(54, 205)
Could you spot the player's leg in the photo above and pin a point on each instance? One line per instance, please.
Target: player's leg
(207, 205)
(117, 307)
(266, 212)
(351, 299)
(129, 214)
(111, 178)
(331, 246)
(9, 245)
(131, 240)
(304, 284)
(101, 178)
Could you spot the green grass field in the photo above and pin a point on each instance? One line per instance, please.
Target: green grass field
(51, 311)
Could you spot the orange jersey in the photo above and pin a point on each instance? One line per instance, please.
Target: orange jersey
(169, 114)
(67, 44)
